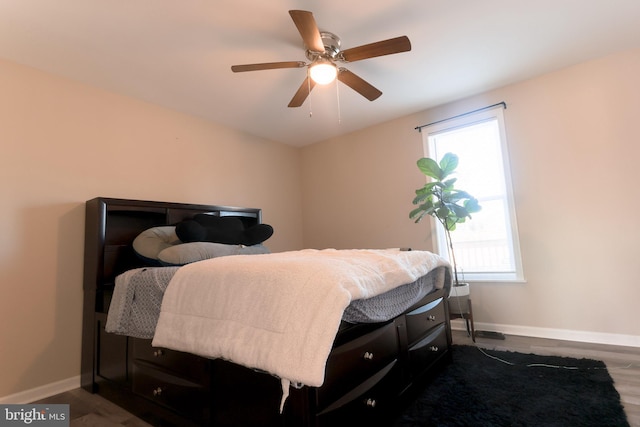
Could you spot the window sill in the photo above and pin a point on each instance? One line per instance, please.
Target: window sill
(495, 280)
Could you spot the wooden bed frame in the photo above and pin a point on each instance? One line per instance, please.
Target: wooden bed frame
(371, 370)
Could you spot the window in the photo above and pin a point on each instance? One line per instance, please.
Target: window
(486, 247)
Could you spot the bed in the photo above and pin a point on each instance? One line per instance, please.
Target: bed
(379, 346)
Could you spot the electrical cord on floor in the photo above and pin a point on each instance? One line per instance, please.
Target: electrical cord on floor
(544, 365)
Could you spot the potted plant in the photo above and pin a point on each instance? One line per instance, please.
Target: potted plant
(450, 206)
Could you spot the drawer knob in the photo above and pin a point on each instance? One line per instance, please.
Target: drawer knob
(368, 356)
(434, 348)
(158, 353)
(157, 391)
(371, 403)
(431, 318)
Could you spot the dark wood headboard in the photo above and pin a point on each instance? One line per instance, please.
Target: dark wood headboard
(111, 225)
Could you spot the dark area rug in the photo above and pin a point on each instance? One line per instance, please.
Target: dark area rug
(476, 390)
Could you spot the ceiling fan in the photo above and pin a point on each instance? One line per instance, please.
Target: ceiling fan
(323, 51)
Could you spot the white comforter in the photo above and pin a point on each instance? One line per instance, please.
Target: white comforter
(278, 312)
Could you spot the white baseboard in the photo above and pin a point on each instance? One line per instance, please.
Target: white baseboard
(41, 392)
(555, 334)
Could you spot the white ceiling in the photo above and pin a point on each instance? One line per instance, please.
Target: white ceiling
(178, 53)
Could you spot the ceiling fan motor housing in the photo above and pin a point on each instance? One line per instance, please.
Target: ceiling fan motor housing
(331, 47)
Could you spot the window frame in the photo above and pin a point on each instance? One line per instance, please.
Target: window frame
(466, 120)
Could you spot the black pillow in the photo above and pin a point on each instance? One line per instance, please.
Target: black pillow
(226, 229)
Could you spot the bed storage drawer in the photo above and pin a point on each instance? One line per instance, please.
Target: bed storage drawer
(367, 404)
(183, 364)
(422, 319)
(354, 362)
(428, 350)
(171, 391)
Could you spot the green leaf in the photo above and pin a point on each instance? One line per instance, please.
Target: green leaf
(472, 205)
(450, 224)
(430, 168)
(448, 184)
(419, 198)
(442, 212)
(423, 198)
(428, 188)
(448, 164)
(454, 196)
(459, 211)
(419, 213)
(463, 195)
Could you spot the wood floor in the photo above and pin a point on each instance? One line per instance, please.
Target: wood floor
(91, 410)
(623, 364)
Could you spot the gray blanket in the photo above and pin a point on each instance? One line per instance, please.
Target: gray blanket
(137, 298)
(136, 301)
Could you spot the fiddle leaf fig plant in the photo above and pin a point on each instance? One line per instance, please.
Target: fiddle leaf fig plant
(441, 200)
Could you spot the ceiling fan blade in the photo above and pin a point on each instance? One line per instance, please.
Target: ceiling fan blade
(303, 91)
(358, 84)
(381, 48)
(267, 66)
(308, 29)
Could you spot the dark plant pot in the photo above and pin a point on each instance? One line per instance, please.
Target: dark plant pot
(459, 299)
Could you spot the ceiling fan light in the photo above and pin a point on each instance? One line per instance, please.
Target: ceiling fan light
(323, 72)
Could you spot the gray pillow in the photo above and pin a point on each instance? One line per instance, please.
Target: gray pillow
(161, 246)
(186, 253)
(152, 241)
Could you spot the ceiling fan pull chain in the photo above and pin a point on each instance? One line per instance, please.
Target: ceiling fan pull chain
(338, 99)
(309, 88)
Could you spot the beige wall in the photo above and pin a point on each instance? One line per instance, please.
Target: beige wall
(63, 143)
(575, 156)
(574, 152)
